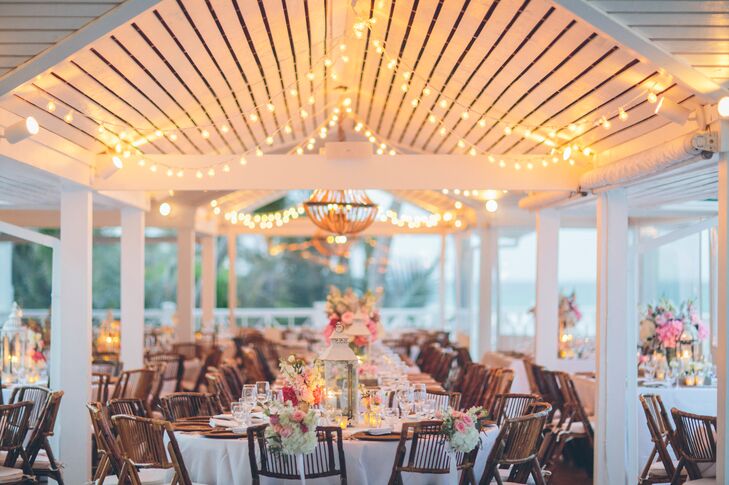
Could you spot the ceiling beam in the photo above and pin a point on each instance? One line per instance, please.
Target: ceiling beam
(292, 172)
(684, 73)
(73, 43)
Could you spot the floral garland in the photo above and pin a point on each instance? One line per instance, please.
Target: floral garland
(303, 384)
(343, 307)
(462, 427)
(292, 431)
(662, 327)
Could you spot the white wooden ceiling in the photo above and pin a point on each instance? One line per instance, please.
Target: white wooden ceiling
(693, 30)
(28, 27)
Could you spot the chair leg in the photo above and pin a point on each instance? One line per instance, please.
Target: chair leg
(537, 473)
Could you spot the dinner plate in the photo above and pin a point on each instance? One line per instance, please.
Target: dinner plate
(363, 436)
(223, 435)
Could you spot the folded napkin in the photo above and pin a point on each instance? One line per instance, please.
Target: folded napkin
(223, 423)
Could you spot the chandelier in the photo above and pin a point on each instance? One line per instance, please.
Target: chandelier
(341, 211)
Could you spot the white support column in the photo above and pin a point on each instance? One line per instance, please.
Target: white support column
(615, 357)
(132, 288)
(546, 335)
(71, 343)
(442, 282)
(185, 331)
(482, 334)
(208, 283)
(722, 355)
(232, 278)
(458, 328)
(6, 278)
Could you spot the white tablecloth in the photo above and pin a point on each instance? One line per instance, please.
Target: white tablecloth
(218, 462)
(497, 359)
(697, 400)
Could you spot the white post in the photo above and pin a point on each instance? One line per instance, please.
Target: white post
(482, 334)
(458, 241)
(615, 358)
(132, 288)
(6, 278)
(232, 279)
(185, 331)
(208, 283)
(442, 282)
(546, 338)
(722, 359)
(71, 340)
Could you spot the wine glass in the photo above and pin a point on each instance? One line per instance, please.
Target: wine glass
(248, 398)
(419, 396)
(428, 408)
(239, 412)
(263, 392)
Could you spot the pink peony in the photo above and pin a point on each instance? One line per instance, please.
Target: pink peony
(460, 426)
(347, 318)
(467, 420)
(298, 415)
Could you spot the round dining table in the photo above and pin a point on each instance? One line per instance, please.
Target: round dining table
(225, 461)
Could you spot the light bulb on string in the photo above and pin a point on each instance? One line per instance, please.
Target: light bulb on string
(51, 106)
(622, 114)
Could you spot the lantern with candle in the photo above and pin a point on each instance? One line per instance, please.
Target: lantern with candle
(14, 338)
(340, 374)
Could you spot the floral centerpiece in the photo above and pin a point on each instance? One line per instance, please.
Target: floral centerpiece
(292, 431)
(462, 428)
(303, 384)
(663, 328)
(342, 307)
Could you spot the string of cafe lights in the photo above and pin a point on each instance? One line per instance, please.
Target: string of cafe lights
(125, 145)
(549, 136)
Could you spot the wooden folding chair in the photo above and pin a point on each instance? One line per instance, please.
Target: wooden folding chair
(181, 405)
(695, 442)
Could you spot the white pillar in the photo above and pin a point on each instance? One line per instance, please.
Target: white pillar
(482, 333)
(71, 341)
(615, 356)
(546, 336)
(208, 283)
(185, 331)
(132, 288)
(442, 282)
(458, 241)
(6, 278)
(721, 357)
(232, 279)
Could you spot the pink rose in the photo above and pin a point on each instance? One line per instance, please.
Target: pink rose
(347, 318)
(298, 415)
(460, 426)
(467, 420)
(286, 432)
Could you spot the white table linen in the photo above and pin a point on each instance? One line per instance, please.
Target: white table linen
(497, 359)
(217, 461)
(697, 400)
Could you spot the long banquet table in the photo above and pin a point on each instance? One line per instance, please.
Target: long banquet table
(225, 461)
(697, 400)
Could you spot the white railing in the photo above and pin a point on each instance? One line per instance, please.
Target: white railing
(392, 318)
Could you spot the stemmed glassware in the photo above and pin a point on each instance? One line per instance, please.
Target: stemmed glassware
(419, 397)
(248, 400)
(263, 392)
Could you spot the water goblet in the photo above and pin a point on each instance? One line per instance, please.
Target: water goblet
(239, 412)
(263, 392)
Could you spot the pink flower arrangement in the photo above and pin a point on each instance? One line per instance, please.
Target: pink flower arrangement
(291, 431)
(669, 333)
(341, 308)
(462, 428)
(303, 385)
(663, 326)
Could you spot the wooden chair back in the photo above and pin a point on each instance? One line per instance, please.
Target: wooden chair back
(251, 364)
(111, 367)
(130, 406)
(474, 385)
(444, 399)
(212, 360)
(233, 378)
(695, 441)
(15, 422)
(499, 382)
(428, 453)
(100, 383)
(327, 459)
(174, 369)
(38, 395)
(180, 405)
(110, 456)
(508, 406)
(38, 440)
(218, 387)
(660, 437)
(135, 383)
(188, 350)
(142, 442)
(516, 447)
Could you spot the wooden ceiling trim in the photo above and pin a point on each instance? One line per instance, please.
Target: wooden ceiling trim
(207, 119)
(256, 103)
(364, 57)
(295, 62)
(376, 73)
(525, 40)
(146, 75)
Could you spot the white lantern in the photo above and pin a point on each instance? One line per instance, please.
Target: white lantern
(340, 374)
(14, 338)
(360, 335)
